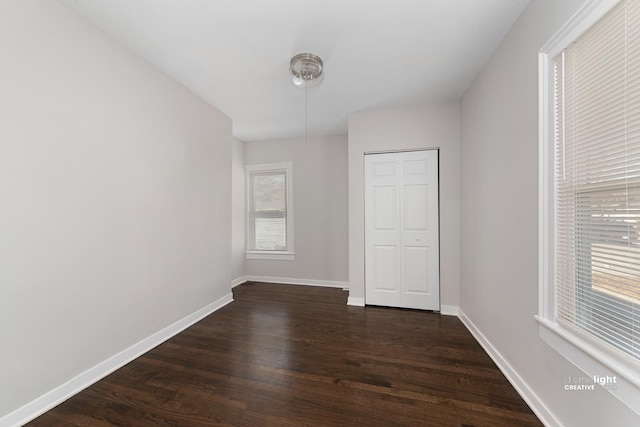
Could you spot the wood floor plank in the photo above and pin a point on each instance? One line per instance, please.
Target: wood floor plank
(285, 355)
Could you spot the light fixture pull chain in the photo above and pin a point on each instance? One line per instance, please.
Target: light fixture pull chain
(306, 107)
(306, 69)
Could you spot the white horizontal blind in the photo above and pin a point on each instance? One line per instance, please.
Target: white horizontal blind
(597, 181)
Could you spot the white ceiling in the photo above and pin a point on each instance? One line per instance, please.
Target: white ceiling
(377, 53)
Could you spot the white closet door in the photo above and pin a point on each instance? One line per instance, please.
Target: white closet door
(402, 266)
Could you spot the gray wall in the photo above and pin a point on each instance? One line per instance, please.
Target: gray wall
(238, 267)
(320, 207)
(499, 223)
(115, 184)
(425, 126)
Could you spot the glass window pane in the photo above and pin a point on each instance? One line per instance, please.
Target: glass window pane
(270, 234)
(269, 192)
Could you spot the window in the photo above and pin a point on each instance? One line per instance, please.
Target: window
(270, 211)
(590, 200)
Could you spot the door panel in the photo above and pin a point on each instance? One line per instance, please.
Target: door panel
(401, 230)
(385, 169)
(416, 269)
(384, 212)
(415, 207)
(386, 267)
(415, 167)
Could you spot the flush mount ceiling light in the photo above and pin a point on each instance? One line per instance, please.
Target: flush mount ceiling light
(306, 70)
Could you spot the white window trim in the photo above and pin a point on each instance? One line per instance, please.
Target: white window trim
(289, 254)
(591, 358)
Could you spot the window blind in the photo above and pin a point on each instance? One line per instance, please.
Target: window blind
(597, 181)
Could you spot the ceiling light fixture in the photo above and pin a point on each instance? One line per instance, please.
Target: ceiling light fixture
(307, 70)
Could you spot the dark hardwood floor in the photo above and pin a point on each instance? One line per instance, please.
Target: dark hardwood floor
(284, 355)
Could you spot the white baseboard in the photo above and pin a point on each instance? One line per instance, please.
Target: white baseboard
(448, 310)
(63, 392)
(533, 400)
(239, 281)
(290, 281)
(358, 302)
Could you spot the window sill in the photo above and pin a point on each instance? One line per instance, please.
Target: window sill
(271, 255)
(621, 379)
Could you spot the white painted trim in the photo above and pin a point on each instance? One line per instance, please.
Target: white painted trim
(307, 282)
(286, 167)
(238, 281)
(580, 22)
(271, 255)
(401, 150)
(75, 385)
(594, 360)
(358, 302)
(449, 310)
(545, 199)
(533, 400)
